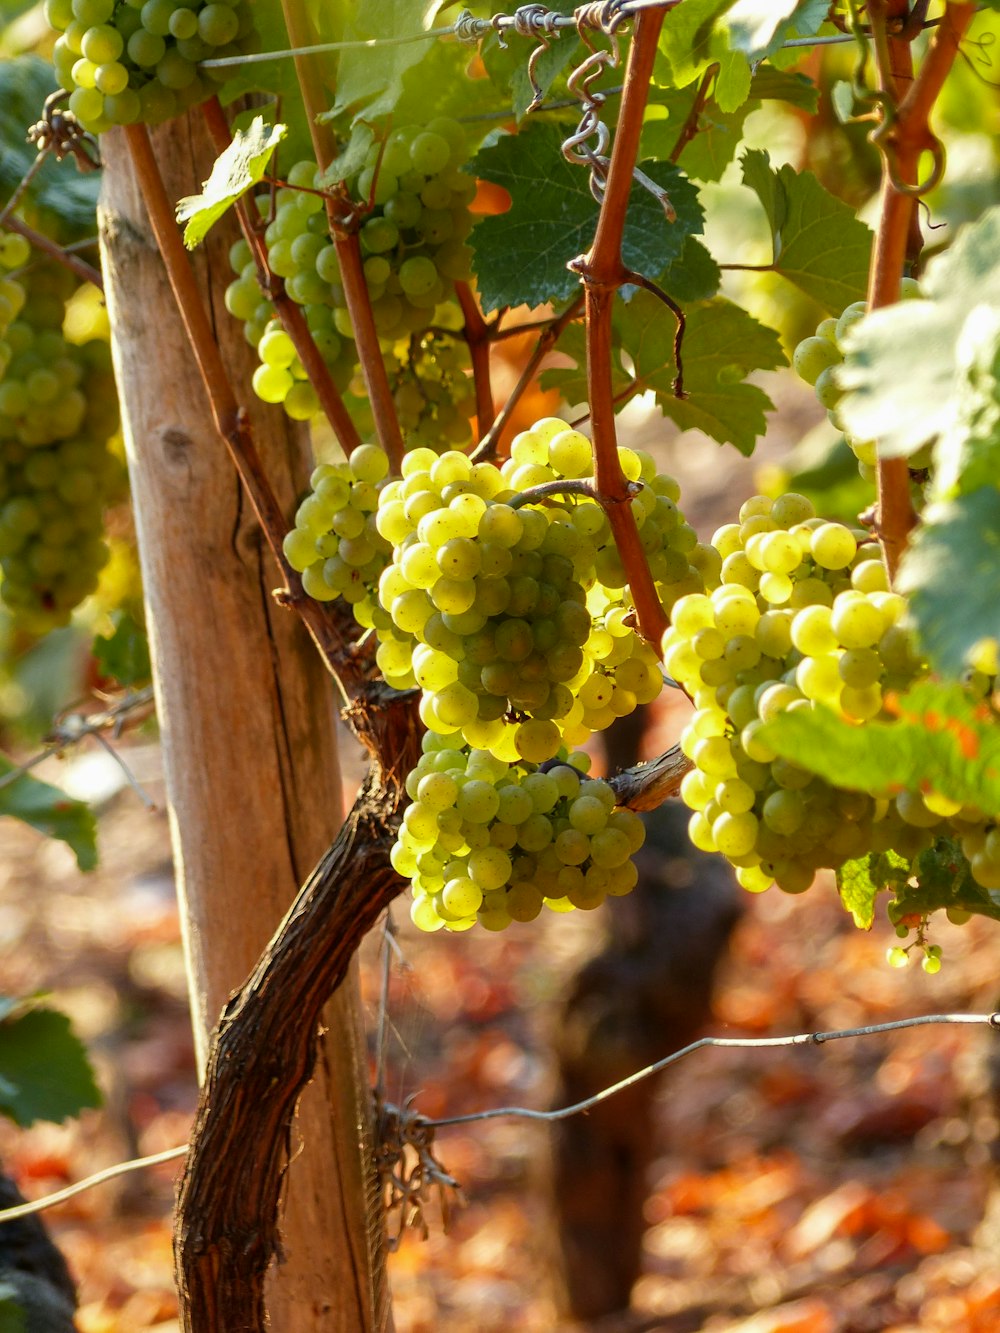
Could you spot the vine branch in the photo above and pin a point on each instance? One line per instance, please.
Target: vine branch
(602, 273)
(230, 420)
(290, 314)
(49, 247)
(477, 335)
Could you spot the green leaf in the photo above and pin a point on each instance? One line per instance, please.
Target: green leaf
(68, 196)
(706, 156)
(520, 256)
(722, 344)
(12, 1316)
(758, 27)
(842, 98)
(907, 367)
(370, 79)
(819, 244)
(235, 171)
(123, 655)
(781, 85)
(691, 42)
(44, 1070)
(941, 740)
(950, 572)
(692, 276)
(51, 812)
(860, 881)
(944, 880)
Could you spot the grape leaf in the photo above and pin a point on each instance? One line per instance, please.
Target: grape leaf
(860, 881)
(44, 1070)
(944, 880)
(370, 78)
(819, 244)
(236, 170)
(520, 256)
(51, 812)
(70, 197)
(12, 1316)
(706, 156)
(941, 740)
(691, 42)
(773, 84)
(758, 27)
(692, 276)
(950, 574)
(722, 344)
(902, 372)
(123, 655)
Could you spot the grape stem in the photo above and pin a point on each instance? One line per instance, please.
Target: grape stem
(691, 128)
(292, 319)
(602, 273)
(230, 419)
(568, 486)
(343, 218)
(477, 336)
(547, 339)
(39, 242)
(901, 139)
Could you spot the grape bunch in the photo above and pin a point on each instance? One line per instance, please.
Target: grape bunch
(494, 842)
(816, 359)
(432, 390)
(58, 412)
(802, 616)
(514, 617)
(14, 253)
(335, 544)
(413, 248)
(126, 61)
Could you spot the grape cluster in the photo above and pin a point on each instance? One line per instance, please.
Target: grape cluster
(412, 241)
(335, 544)
(514, 617)
(14, 253)
(58, 410)
(126, 61)
(488, 841)
(803, 616)
(432, 390)
(816, 359)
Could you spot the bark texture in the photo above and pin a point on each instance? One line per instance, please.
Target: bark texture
(246, 714)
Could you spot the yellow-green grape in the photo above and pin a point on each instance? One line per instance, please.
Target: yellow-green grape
(519, 619)
(802, 618)
(58, 414)
(124, 61)
(492, 841)
(336, 545)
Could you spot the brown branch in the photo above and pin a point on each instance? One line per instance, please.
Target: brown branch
(550, 335)
(293, 321)
(656, 290)
(902, 138)
(229, 418)
(342, 216)
(690, 127)
(602, 273)
(477, 336)
(264, 1048)
(78, 266)
(647, 786)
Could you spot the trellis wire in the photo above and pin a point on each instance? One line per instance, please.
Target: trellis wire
(526, 1113)
(528, 21)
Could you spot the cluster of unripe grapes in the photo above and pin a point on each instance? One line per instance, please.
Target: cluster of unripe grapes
(802, 617)
(416, 204)
(432, 391)
(335, 544)
(816, 359)
(511, 615)
(14, 254)
(126, 61)
(58, 411)
(493, 842)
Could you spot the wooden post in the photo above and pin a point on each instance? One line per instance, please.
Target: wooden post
(246, 715)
